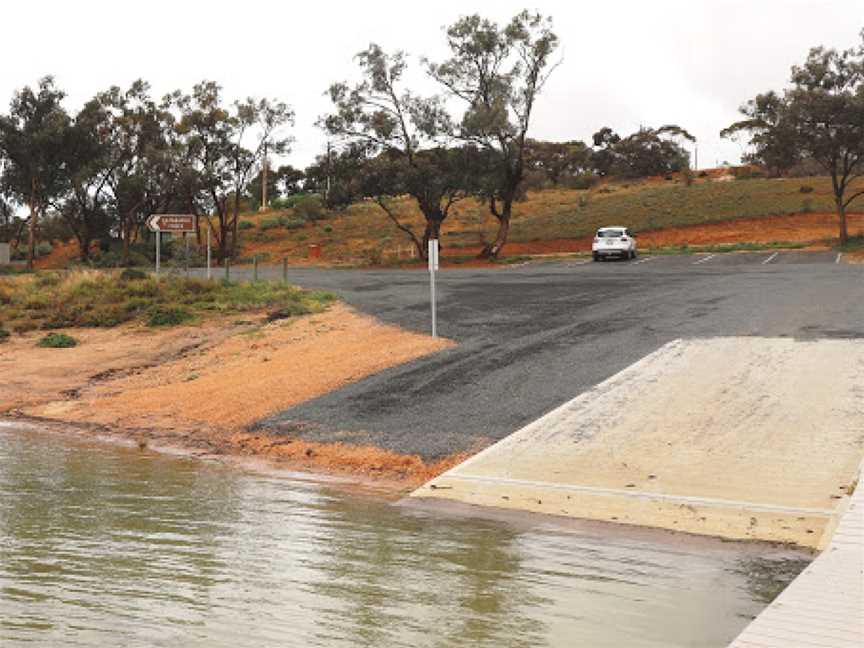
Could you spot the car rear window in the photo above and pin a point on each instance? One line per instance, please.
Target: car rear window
(610, 233)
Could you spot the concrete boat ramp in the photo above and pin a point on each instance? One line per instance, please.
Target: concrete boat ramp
(743, 438)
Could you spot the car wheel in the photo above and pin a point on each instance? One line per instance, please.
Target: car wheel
(634, 254)
(596, 257)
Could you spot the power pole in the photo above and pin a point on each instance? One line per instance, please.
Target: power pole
(327, 190)
(264, 182)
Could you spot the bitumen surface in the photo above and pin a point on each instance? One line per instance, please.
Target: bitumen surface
(531, 337)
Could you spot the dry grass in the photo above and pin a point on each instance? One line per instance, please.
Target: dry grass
(363, 234)
(91, 298)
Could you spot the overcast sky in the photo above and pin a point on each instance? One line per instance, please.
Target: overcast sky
(624, 62)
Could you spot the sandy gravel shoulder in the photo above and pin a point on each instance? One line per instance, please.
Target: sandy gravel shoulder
(202, 387)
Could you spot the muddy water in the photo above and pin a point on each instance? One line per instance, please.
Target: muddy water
(103, 546)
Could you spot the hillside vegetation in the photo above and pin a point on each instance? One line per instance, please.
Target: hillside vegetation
(362, 232)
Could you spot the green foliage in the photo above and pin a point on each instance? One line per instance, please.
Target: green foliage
(57, 341)
(310, 208)
(103, 299)
(133, 274)
(245, 225)
(168, 316)
(43, 248)
(4, 334)
(272, 223)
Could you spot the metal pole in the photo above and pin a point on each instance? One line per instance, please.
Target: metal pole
(186, 253)
(255, 268)
(284, 270)
(264, 182)
(227, 269)
(432, 253)
(208, 248)
(158, 235)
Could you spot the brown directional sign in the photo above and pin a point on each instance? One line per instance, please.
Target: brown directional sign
(171, 222)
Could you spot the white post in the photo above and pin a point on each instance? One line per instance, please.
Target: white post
(208, 248)
(433, 266)
(158, 236)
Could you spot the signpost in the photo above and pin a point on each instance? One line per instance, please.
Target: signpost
(176, 224)
(433, 268)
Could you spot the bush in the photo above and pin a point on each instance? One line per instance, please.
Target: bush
(132, 274)
(806, 189)
(168, 316)
(246, 225)
(328, 229)
(271, 223)
(4, 334)
(57, 341)
(310, 208)
(294, 223)
(43, 248)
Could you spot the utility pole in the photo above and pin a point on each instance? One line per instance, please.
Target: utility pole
(264, 182)
(696, 158)
(327, 190)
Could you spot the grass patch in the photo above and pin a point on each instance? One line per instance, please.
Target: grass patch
(854, 244)
(168, 316)
(56, 300)
(57, 341)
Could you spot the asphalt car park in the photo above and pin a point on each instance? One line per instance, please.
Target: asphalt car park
(534, 336)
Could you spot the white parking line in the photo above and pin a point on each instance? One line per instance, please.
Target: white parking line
(707, 258)
(644, 260)
(770, 258)
(839, 255)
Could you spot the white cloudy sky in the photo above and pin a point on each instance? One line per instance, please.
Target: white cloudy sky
(625, 62)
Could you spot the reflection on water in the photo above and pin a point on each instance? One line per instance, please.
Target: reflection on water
(107, 546)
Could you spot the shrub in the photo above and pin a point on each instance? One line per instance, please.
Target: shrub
(168, 316)
(43, 248)
(294, 223)
(57, 341)
(132, 274)
(805, 189)
(4, 334)
(270, 223)
(310, 208)
(328, 229)
(246, 225)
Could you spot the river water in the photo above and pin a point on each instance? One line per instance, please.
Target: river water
(108, 546)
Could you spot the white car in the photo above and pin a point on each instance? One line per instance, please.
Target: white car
(613, 241)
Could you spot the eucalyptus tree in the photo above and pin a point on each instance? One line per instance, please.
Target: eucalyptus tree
(32, 140)
(147, 164)
(402, 140)
(224, 146)
(820, 117)
(90, 157)
(498, 72)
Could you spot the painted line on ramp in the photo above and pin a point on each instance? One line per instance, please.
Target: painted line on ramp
(839, 256)
(770, 258)
(617, 492)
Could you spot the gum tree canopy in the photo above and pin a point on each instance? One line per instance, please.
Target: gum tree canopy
(819, 117)
(499, 73)
(401, 140)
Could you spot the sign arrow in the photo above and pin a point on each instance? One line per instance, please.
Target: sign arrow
(153, 222)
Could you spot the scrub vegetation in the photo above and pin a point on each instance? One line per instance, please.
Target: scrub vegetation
(55, 300)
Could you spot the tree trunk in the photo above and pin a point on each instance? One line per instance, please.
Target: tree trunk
(844, 230)
(31, 240)
(433, 231)
(493, 249)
